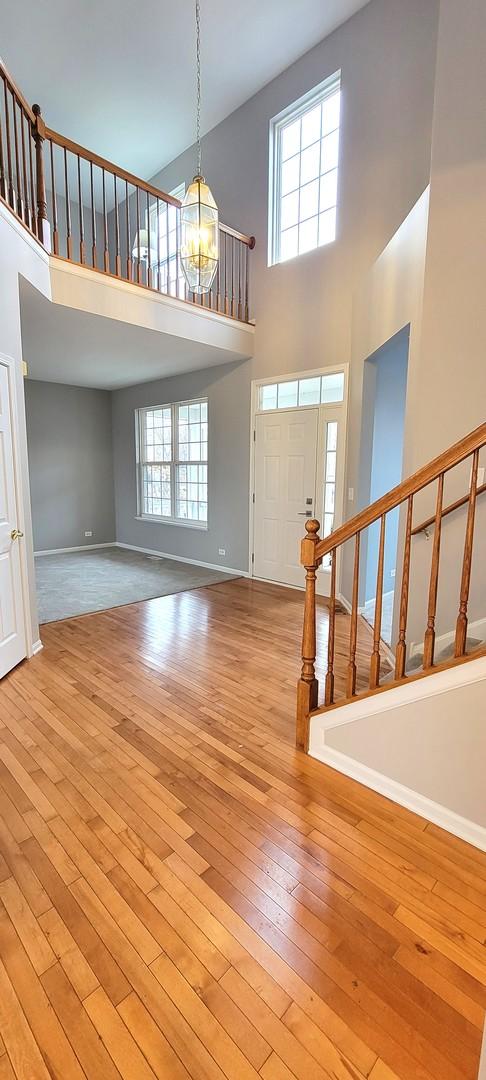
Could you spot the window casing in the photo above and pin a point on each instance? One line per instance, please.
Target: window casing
(304, 149)
(172, 463)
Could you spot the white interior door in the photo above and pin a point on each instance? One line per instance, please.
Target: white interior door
(285, 490)
(12, 628)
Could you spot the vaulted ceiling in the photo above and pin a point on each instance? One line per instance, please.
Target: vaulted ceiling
(118, 75)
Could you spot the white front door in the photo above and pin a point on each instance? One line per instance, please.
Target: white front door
(12, 629)
(285, 490)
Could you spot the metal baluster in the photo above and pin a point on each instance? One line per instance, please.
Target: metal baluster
(94, 261)
(69, 242)
(55, 229)
(82, 253)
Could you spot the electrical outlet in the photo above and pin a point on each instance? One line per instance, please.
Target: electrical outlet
(222, 551)
(88, 533)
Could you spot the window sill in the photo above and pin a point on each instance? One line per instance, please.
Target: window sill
(200, 525)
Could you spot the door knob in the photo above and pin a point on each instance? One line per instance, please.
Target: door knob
(16, 534)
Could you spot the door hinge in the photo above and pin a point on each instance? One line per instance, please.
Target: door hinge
(253, 557)
(254, 435)
(253, 497)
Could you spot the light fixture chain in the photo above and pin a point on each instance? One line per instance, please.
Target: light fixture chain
(198, 85)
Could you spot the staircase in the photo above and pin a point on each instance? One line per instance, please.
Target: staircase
(462, 456)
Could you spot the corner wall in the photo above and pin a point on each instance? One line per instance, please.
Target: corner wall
(69, 442)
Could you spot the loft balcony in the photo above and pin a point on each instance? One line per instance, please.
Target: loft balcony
(113, 242)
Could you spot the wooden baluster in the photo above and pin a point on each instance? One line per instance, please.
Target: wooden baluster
(3, 178)
(39, 134)
(20, 201)
(329, 687)
(149, 256)
(69, 241)
(127, 231)
(33, 215)
(139, 271)
(106, 250)
(24, 172)
(82, 251)
(117, 231)
(307, 687)
(240, 273)
(429, 639)
(401, 649)
(9, 186)
(461, 625)
(376, 655)
(353, 631)
(233, 297)
(178, 250)
(94, 261)
(226, 301)
(218, 279)
(55, 229)
(247, 282)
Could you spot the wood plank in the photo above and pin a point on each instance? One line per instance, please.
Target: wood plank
(185, 895)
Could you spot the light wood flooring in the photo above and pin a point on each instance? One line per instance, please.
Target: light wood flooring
(183, 894)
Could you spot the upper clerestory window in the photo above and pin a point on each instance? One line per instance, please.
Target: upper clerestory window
(304, 157)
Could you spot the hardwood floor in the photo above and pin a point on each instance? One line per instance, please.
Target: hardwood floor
(183, 894)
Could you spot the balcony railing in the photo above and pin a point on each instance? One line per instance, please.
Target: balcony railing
(89, 211)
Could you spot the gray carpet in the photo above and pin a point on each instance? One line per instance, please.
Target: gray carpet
(84, 581)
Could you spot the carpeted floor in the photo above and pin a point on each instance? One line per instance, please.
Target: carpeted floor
(83, 581)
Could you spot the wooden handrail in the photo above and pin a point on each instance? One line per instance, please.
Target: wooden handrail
(130, 178)
(313, 550)
(447, 510)
(420, 479)
(4, 73)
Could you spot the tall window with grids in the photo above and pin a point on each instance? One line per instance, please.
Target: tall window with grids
(304, 173)
(173, 463)
(165, 227)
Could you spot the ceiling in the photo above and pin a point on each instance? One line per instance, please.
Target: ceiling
(65, 345)
(118, 76)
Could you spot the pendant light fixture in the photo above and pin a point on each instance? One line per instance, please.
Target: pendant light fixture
(199, 213)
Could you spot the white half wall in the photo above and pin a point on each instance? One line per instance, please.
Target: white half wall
(422, 744)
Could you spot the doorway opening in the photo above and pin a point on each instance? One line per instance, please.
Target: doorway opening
(384, 405)
(297, 470)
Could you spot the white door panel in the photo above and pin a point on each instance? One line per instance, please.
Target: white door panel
(12, 629)
(285, 490)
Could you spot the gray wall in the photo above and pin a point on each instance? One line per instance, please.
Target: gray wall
(386, 54)
(69, 439)
(226, 388)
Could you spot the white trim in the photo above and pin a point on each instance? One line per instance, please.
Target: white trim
(20, 229)
(437, 682)
(180, 558)
(98, 277)
(82, 547)
(37, 646)
(440, 815)
(474, 629)
(345, 603)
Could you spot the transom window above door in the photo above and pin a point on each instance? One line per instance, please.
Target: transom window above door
(172, 463)
(316, 390)
(304, 149)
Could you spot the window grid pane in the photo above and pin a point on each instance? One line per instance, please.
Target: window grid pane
(173, 462)
(316, 390)
(307, 163)
(329, 483)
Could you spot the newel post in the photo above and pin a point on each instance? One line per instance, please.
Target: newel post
(307, 686)
(39, 134)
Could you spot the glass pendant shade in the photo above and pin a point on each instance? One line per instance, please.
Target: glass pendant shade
(199, 236)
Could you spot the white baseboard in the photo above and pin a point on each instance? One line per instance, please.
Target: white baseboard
(345, 603)
(439, 815)
(36, 647)
(82, 547)
(181, 558)
(474, 629)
